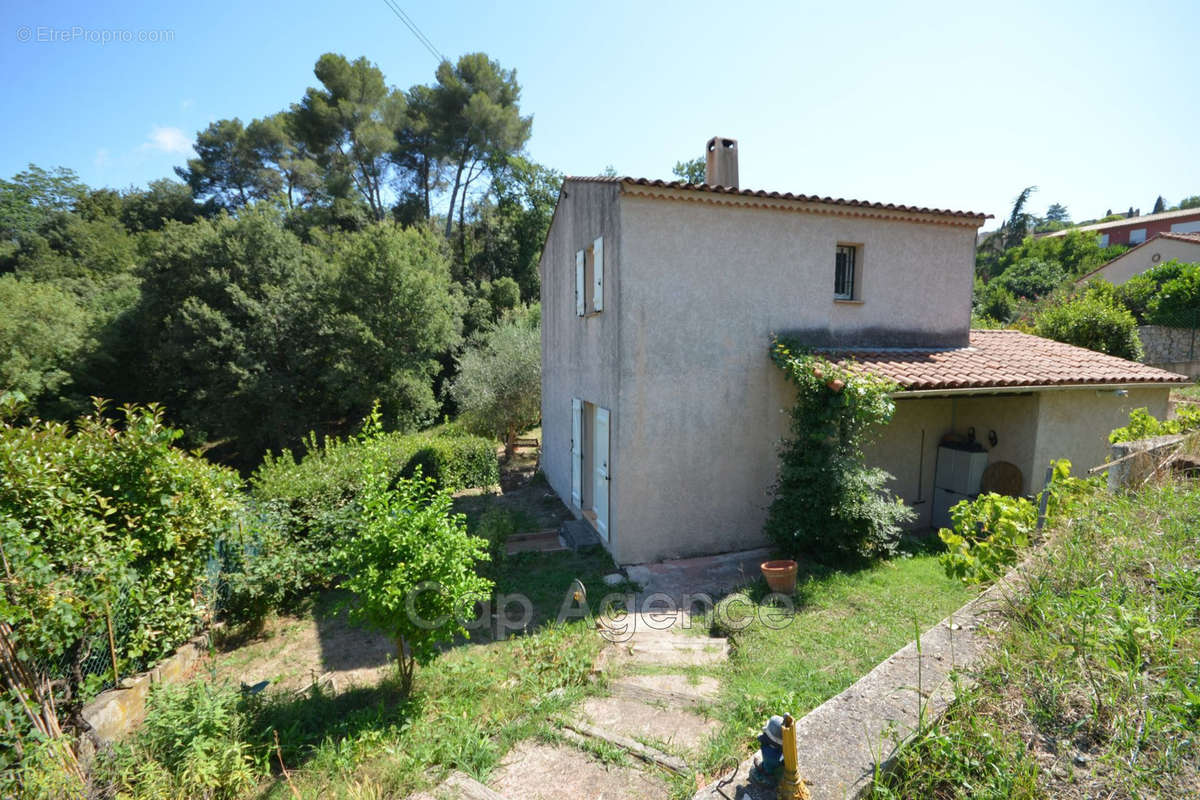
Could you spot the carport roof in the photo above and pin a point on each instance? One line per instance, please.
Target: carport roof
(1000, 359)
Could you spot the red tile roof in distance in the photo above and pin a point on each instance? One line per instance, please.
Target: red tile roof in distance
(998, 359)
(807, 198)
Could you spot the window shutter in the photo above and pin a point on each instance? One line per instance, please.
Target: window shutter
(598, 272)
(579, 287)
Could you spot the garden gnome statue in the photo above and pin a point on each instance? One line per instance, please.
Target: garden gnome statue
(766, 771)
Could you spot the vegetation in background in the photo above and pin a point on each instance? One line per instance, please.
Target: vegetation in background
(499, 383)
(827, 504)
(298, 275)
(1092, 688)
(1093, 320)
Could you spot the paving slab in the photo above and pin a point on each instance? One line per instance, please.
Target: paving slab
(679, 652)
(537, 771)
(681, 730)
(713, 575)
(673, 689)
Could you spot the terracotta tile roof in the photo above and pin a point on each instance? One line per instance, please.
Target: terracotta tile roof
(1194, 238)
(1126, 221)
(1001, 359)
(807, 198)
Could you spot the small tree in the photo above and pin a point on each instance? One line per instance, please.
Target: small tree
(827, 503)
(412, 565)
(1093, 320)
(499, 384)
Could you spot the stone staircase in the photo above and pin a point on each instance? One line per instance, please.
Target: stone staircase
(655, 714)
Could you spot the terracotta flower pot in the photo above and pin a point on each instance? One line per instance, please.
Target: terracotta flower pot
(780, 575)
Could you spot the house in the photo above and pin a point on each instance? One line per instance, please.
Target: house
(1158, 249)
(662, 412)
(1135, 230)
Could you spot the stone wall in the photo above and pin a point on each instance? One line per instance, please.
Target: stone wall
(1169, 345)
(117, 711)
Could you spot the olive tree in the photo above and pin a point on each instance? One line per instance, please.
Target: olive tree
(499, 384)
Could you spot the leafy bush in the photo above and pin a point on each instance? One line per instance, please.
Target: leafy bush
(98, 513)
(192, 744)
(994, 301)
(315, 501)
(1167, 294)
(1030, 278)
(1142, 425)
(262, 567)
(989, 534)
(1094, 321)
(827, 503)
(495, 527)
(411, 563)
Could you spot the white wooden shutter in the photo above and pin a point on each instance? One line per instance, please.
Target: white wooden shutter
(598, 273)
(576, 452)
(579, 287)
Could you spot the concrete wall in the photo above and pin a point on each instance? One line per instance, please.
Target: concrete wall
(702, 408)
(1075, 423)
(579, 355)
(1142, 258)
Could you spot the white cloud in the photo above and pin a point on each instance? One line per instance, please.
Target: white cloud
(168, 140)
(187, 104)
(102, 157)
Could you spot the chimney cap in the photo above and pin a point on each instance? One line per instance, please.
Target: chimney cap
(721, 162)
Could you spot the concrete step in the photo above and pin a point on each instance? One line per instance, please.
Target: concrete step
(670, 690)
(678, 729)
(459, 786)
(646, 753)
(538, 771)
(578, 534)
(547, 541)
(679, 652)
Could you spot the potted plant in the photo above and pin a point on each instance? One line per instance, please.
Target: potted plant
(780, 575)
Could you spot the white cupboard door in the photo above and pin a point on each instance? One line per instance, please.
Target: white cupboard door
(600, 460)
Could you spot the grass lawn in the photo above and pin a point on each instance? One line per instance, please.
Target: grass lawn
(1094, 688)
(844, 624)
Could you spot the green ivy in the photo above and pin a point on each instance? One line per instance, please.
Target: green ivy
(827, 503)
(1143, 425)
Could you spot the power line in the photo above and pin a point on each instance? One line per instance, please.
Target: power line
(412, 26)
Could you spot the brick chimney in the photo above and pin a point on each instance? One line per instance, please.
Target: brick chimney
(721, 162)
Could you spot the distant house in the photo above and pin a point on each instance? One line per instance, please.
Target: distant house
(662, 412)
(1158, 249)
(1135, 230)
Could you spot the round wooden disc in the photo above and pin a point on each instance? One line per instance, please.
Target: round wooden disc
(1002, 477)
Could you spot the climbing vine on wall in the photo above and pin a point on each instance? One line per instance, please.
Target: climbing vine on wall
(827, 503)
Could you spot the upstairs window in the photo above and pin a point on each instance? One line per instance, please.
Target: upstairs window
(845, 273)
(589, 279)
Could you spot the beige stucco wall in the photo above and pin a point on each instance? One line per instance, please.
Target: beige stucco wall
(701, 408)
(579, 355)
(1140, 259)
(1075, 423)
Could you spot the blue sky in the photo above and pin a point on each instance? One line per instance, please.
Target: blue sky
(951, 105)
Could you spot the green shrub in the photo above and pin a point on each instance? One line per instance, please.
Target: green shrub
(262, 567)
(315, 501)
(828, 504)
(1030, 278)
(495, 527)
(99, 512)
(455, 461)
(411, 565)
(994, 301)
(192, 744)
(989, 534)
(1142, 425)
(1094, 321)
